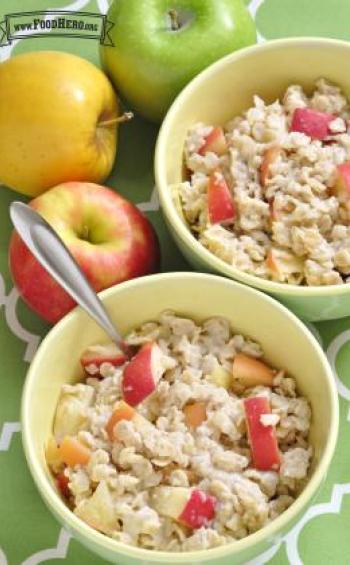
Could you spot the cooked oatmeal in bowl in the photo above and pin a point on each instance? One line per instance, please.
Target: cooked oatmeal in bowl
(193, 443)
(269, 193)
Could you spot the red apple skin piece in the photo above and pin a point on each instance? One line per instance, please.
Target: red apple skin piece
(134, 253)
(311, 122)
(262, 439)
(269, 158)
(139, 376)
(62, 484)
(342, 182)
(199, 510)
(96, 355)
(250, 372)
(215, 142)
(221, 208)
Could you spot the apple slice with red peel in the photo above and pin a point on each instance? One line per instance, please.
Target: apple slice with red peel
(341, 186)
(214, 142)
(312, 123)
(141, 375)
(62, 482)
(250, 372)
(269, 158)
(221, 208)
(262, 439)
(282, 262)
(192, 507)
(95, 355)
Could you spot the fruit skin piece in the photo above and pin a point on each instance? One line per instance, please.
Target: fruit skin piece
(311, 122)
(342, 181)
(52, 108)
(192, 507)
(141, 375)
(62, 482)
(95, 355)
(250, 372)
(150, 63)
(269, 158)
(122, 412)
(221, 208)
(215, 142)
(262, 439)
(111, 240)
(72, 452)
(199, 510)
(195, 414)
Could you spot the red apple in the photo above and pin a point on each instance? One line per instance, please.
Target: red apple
(342, 181)
(215, 142)
(141, 375)
(269, 158)
(250, 372)
(192, 507)
(262, 438)
(109, 237)
(221, 208)
(95, 355)
(311, 122)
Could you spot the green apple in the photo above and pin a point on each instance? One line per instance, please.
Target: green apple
(160, 45)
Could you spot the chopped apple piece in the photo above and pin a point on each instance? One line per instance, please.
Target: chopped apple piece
(142, 374)
(62, 482)
(195, 414)
(215, 142)
(311, 122)
(221, 377)
(274, 215)
(95, 355)
(53, 456)
(73, 452)
(250, 372)
(282, 262)
(192, 507)
(269, 158)
(341, 186)
(98, 510)
(122, 412)
(221, 208)
(262, 438)
(71, 413)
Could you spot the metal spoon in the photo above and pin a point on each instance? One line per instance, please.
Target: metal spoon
(51, 252)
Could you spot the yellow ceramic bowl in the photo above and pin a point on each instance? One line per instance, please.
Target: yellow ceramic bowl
(199, 296)
(222, 91)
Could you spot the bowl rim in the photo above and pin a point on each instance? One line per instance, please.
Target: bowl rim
(165, 195)
(95, 538)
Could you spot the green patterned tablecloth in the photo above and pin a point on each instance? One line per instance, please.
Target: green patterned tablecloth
(29, 535)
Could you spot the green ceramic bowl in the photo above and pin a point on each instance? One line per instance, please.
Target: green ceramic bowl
(200, 296)
(222, 91)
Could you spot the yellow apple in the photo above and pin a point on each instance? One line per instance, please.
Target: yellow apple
(57, 121)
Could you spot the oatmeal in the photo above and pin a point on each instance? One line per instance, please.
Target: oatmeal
(193, 443)
(270, 193)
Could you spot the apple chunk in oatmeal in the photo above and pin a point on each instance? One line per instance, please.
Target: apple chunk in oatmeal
(195, 442)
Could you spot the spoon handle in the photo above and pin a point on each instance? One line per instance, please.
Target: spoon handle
(51, 252)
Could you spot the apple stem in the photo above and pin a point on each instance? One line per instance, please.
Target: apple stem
(126, 117)
(174, 17)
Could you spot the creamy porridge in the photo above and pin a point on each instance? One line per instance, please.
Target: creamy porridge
(194, 443)
(270, 193)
